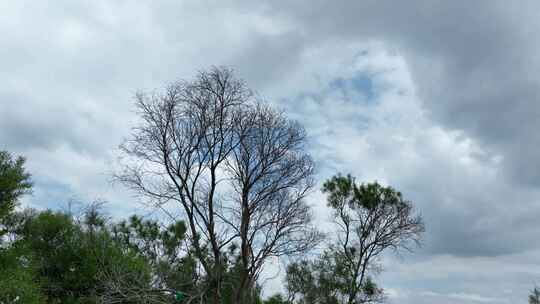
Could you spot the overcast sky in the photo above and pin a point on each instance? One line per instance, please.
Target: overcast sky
(438, 99)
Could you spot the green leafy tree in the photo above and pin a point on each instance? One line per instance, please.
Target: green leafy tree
(317, 281)
(17, 279)
(14, 182)
(173, 263)
(17, 276)
(54, 241)
(369, 219)
(71, 260)
(276, 299)
(164, 248)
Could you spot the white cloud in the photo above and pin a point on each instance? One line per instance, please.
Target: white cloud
(442, 110)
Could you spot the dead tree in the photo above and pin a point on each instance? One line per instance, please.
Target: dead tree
(271, 174)
(236, 168)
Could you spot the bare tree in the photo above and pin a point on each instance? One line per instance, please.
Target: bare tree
(121, 286)
(271, 175)
(236, 168)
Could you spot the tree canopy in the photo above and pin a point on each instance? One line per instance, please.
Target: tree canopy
(238, 174)
(369, 219)
(14, 182)
(236, 168)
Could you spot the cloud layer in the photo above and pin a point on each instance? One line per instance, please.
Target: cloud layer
(437, 98)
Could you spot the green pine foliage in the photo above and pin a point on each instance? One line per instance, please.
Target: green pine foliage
(57, 257)
(14, 182)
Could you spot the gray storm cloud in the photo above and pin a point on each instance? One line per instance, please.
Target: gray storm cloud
(451, 121)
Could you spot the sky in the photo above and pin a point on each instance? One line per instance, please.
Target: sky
(439, 99)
